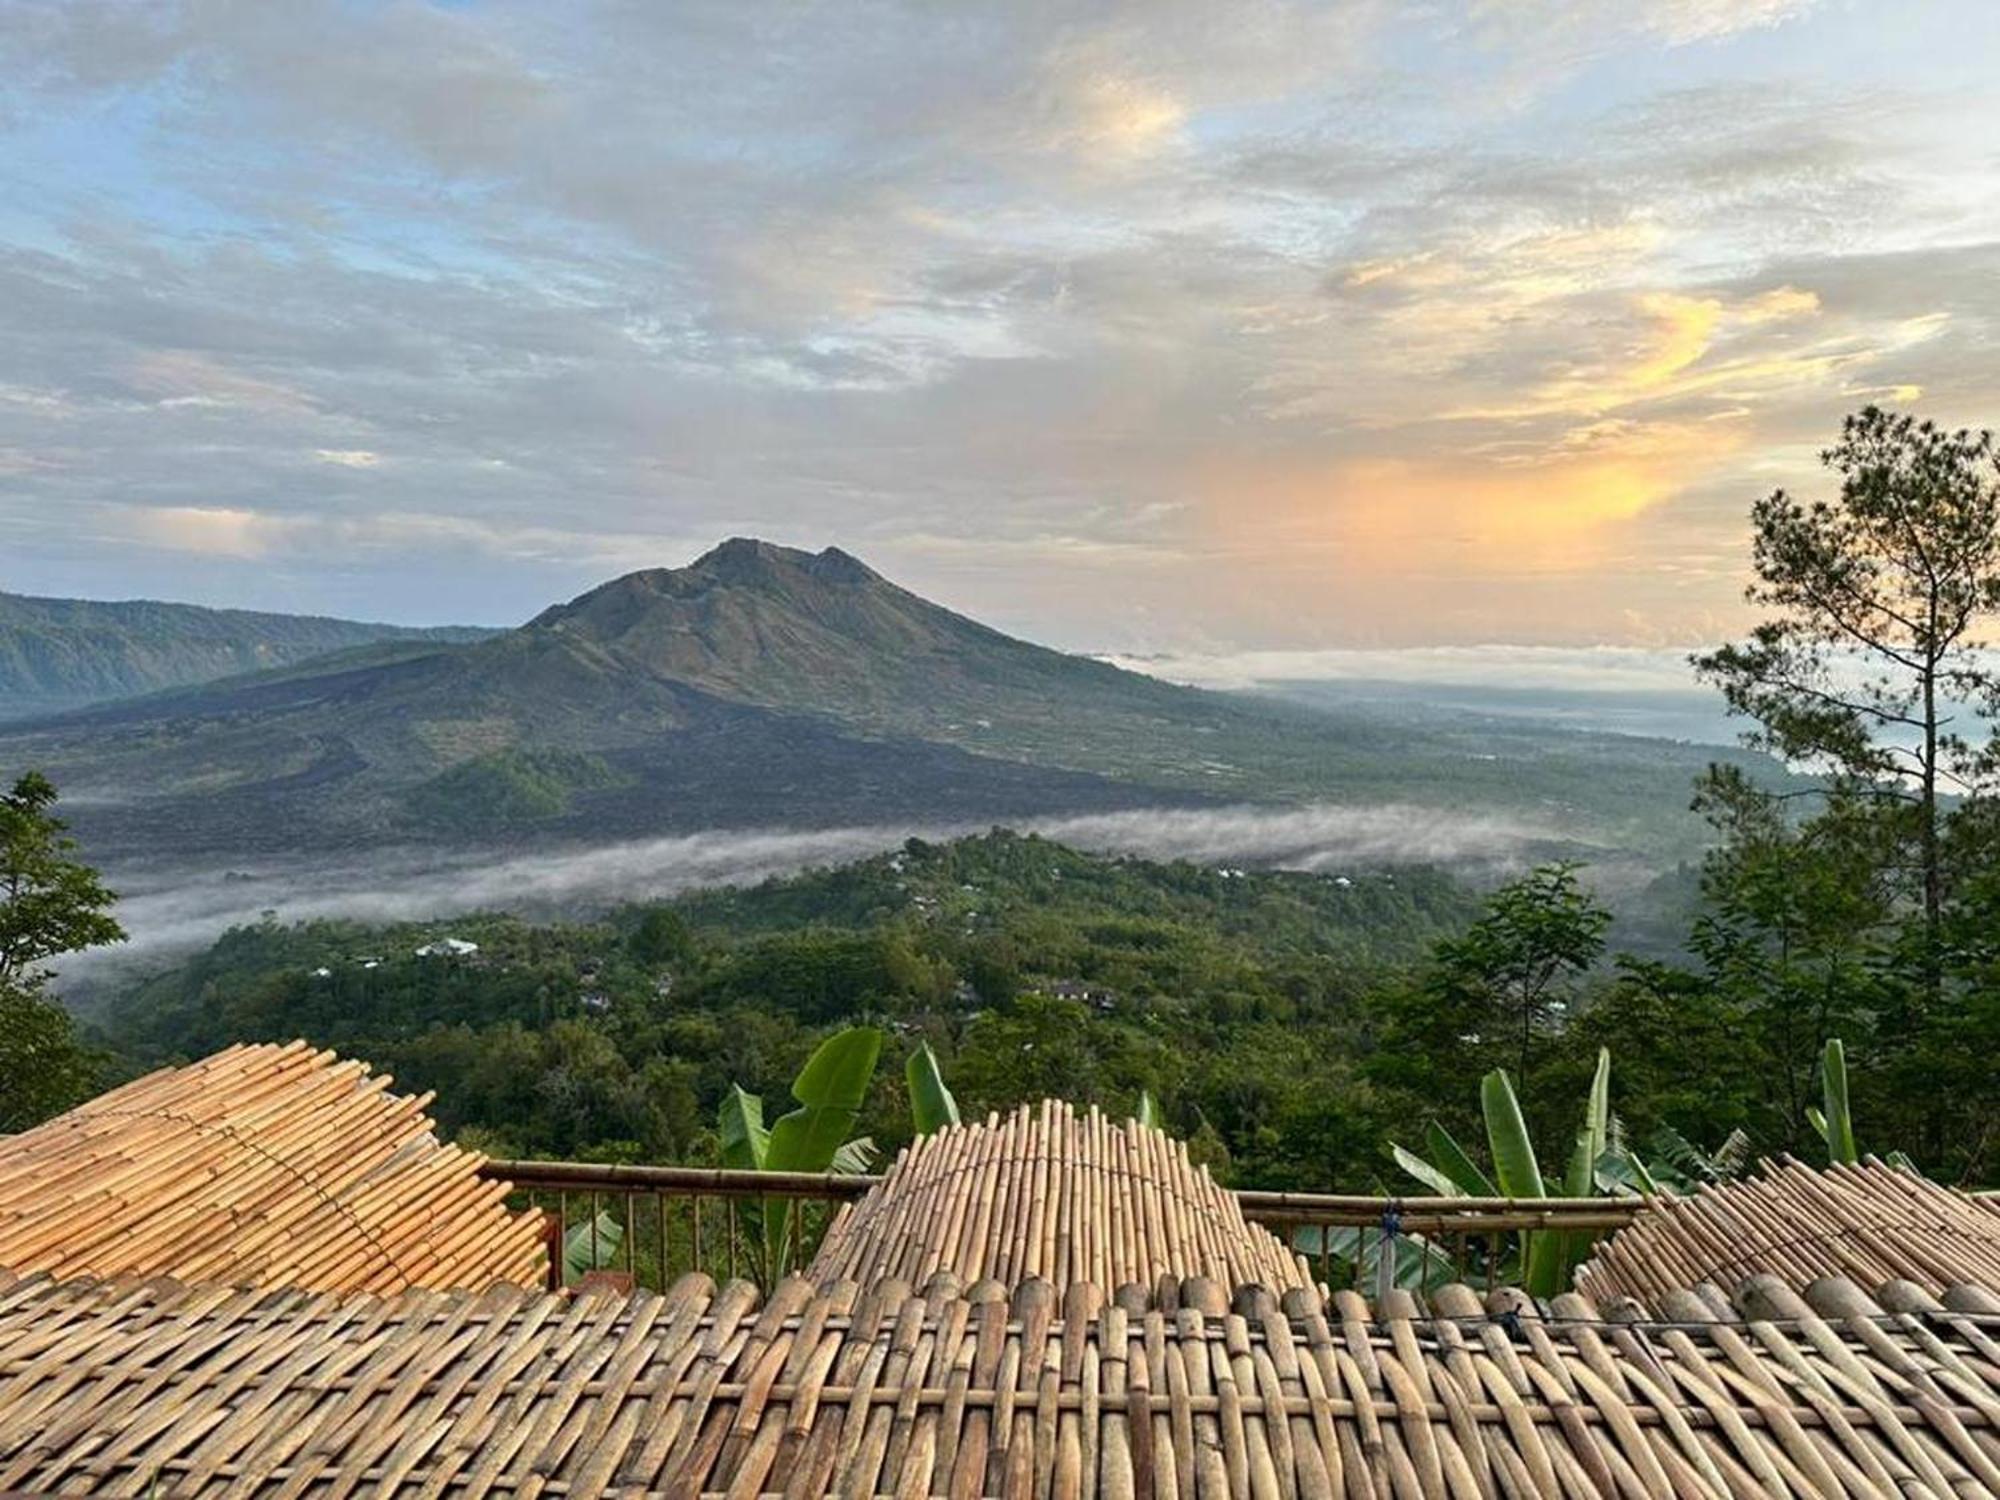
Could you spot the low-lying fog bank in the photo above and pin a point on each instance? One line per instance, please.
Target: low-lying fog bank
(168, 910)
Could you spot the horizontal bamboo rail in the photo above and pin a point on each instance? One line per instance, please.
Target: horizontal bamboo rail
(1345, 1209)
(678, 1219)
(712, 1182)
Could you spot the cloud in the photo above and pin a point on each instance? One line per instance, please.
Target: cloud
(184, 378)
(1708, 20)
(255, 534)
(1668, 354)
(1122, 324)
(1568, 33)
(214, 531)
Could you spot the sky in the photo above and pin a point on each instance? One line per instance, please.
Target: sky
(1139, 326)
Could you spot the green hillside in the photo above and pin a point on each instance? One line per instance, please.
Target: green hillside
(58, 654)
(1035, 968)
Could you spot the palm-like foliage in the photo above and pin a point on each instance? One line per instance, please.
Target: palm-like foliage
(1678, 1163)
(1545, 1258)
(1835, 1122)
(830, 1089)
(932, 1106)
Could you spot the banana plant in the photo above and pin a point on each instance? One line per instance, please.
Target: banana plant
(1148, 1113)
(932, 1106)
(1568, 1249)
(830, 1089)
(1835, 1123)
(1547, 1257)
(590, 1246)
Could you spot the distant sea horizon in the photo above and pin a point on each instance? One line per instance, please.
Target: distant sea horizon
(1628, 690)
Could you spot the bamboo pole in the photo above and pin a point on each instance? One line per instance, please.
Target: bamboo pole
(1050, 1193)
(272, 1165)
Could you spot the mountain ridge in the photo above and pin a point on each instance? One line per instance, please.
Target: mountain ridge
(722, 692)
(61, 653)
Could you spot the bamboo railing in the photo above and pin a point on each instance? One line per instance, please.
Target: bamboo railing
(675, 1220)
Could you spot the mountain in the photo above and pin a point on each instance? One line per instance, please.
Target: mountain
(674, 699)
(63, 653)
(763, 686)
(824, 634)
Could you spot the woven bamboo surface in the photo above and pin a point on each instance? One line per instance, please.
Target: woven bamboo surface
(151, 1388)
(1870, 1223)
(261, 1165)
(1048, 1192)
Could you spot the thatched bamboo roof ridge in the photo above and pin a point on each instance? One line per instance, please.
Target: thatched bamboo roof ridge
(149, 1387)
(1871, 1223)
(1047, 1192)
(264, 1166)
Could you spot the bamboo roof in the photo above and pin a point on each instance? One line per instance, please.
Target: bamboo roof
(1870, 1222)
(1047, 1192)
(261, 1165)
(155, 1388)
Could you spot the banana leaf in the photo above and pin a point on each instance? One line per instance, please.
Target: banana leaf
(1596, 1132)
(856, 1156)
(590, 1246)
(1625, 1174)
(1416, 1265)
(830, 1089)
(932, 1106)
(1567, 1250)
(740, 1125)
(1432, 1177)
(1460, 1168)
(1837, 1124)
(1514, 1163)
(1520, 1176)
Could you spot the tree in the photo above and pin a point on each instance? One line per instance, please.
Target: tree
(1686, 1058)
(44, 1070)
(1509, 979)
(50, 904)
(1797, 937)
(662, 938)
(1871, 655)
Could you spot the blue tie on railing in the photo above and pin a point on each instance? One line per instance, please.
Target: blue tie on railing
(1385, 1259)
